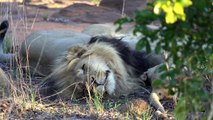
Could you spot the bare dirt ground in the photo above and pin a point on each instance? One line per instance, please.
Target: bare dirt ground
(25, 19)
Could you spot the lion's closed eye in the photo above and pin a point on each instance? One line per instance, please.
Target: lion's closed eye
(83, 67)
(107, 72)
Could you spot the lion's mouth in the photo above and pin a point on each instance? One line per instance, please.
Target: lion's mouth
(101, 85)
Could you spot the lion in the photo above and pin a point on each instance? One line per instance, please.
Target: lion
(99, 63)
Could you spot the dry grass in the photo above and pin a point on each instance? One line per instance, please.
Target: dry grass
(24, 102)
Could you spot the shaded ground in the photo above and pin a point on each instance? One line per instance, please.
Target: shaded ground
(26, 19)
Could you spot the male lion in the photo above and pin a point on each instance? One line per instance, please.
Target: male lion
(107, 63)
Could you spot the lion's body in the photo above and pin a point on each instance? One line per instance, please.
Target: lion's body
(40, 49)
(116, 67)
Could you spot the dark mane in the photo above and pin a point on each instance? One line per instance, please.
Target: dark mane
(136, 59)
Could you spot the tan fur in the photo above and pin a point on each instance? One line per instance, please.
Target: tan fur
(70, 80)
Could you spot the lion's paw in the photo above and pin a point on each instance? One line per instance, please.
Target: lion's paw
(164, 116)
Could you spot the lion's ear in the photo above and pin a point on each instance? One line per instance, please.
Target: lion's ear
(75, 52)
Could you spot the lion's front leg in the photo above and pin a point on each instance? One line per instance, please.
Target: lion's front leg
(157, 94)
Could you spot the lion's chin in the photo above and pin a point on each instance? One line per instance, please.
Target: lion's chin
(108, 87)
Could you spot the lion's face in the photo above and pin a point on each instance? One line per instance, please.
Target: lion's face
(95, 66)
(95, 71)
